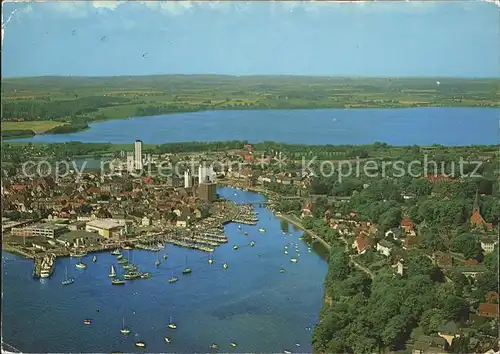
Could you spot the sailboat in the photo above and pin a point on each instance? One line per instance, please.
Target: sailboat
(94, 259)
(67, 281)
(124, 330)
(81, 265)
(210, 258)
(116, 252)
(112, 273)
(187, 270)
(235, 247)
(252, 243)
(157, 263)
(173, 278)
(171, 324)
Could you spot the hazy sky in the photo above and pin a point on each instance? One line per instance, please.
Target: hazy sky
(362, 39)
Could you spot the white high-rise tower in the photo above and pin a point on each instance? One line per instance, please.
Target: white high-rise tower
(138, 154)
(188, 180)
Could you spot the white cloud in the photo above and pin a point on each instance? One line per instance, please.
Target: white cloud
(110, 5)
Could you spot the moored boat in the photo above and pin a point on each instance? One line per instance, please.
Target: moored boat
(225, 266)
(67, 281)
(293, 260)
(146, 275)
(129, 266)
(118, 282)
(140, 344)
(116, 252)
(112, 273)
(132, 275)
(94, 259)
(124, 330)
(262, 229)
(186, 270)
(235, 247)
(171, 324)
(213, 346)
(87, 321)
(167, 340)
(81, 265)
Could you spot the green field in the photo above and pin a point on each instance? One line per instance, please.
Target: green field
(86, 99)
(37, 126)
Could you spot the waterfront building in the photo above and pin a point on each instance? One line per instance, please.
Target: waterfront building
(138, 154)
(106, 228)
(73, 238)
(48, 229)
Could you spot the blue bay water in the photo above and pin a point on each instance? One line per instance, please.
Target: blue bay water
(250, 303)
(421, 126)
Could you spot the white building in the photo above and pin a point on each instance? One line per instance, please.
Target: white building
(204, 172)
(138, 154)
(145, 221)
(188, 179)
(130, 162)
(488, 245)
(384, 247)
(107, 228)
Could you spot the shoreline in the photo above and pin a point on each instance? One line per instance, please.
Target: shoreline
(300, 226)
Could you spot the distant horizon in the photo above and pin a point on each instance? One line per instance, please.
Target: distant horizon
(261, 75)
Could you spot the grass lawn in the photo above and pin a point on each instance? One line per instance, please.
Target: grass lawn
(37, 126)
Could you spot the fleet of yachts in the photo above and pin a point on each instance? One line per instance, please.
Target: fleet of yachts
(131, 272)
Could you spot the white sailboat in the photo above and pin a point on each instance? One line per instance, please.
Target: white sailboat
(171, 324)
(124, 330)
(157, 263)
(112, 273)
(67, 281)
